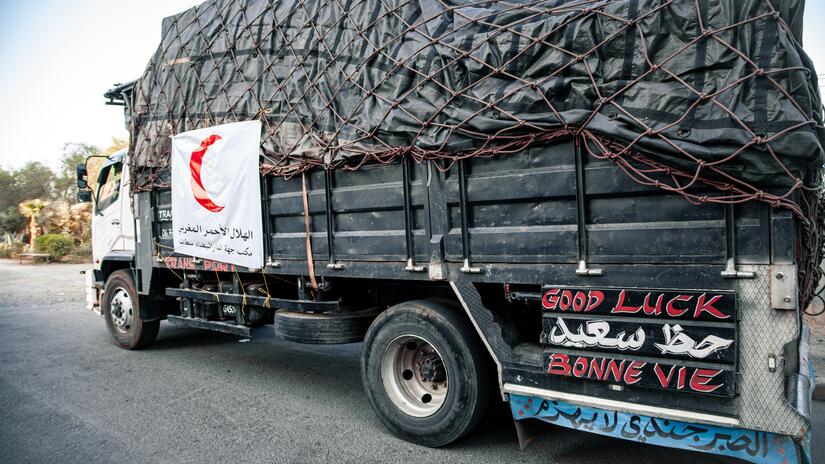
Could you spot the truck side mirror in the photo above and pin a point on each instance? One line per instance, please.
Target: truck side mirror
(82, 174)
(84, 195)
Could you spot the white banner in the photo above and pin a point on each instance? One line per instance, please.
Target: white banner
(216, 194)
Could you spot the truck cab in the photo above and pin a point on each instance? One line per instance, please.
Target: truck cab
(113, 223)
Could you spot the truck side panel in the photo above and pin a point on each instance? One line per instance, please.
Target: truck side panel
(531, 220)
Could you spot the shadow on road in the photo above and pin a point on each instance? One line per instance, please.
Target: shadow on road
(171, 338)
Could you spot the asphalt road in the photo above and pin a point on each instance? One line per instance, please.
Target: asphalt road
(68, 395)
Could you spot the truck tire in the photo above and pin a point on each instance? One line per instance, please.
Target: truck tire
(323, 329)
(121, 309)
(425, 372)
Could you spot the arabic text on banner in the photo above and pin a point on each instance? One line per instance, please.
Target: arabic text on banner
(216, 206)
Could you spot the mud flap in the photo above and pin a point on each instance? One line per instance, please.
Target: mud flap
(529, 430)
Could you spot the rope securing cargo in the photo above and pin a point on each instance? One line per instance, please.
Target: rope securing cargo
(711, 99)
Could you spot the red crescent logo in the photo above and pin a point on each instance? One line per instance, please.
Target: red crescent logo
(195, 164)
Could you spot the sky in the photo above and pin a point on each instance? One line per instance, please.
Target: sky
(57, 58)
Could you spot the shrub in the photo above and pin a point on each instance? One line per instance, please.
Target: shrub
(83, 250)
(57, 245)
(11, 245)
(10, 250)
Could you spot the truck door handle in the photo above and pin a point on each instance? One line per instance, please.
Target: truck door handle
(115, 222)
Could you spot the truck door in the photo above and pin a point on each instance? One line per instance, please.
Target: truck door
(127, 216)
(106, 223)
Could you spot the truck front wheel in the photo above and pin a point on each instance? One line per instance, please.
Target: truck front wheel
(425, 372)
(120, 305)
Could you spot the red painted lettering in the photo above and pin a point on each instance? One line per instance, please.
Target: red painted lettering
(614, 369)
(680, 380)
(215, 265)
(672, 310)
(551, 299)
(559, 364)
(620, 305)
(700, 380)
(664, 380)
(653, 310)
(596, 368)
(578, 302)
(580, 367)
(703, 306)
(566, 299)
(594, 299)
(633, 372)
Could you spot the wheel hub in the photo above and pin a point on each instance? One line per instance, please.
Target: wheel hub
(432, 369)
(122, 310)
(414, 376)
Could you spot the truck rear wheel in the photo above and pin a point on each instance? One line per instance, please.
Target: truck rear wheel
(425, 373)
(121, 309)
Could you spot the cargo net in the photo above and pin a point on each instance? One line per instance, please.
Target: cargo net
(714, 100)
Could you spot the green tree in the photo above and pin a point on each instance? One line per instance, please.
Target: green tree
(33, 180)
(6, 185)
(66, 180)
(10, 219)
(36, 180)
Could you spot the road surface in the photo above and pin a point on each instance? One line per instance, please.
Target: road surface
(68, 395)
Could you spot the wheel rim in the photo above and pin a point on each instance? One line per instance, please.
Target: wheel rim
(414, 376)
(122, 310)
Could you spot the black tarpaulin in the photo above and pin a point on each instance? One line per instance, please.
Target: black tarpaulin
(679, 93)
(721, 81)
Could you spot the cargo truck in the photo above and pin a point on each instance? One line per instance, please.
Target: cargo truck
(539, 274)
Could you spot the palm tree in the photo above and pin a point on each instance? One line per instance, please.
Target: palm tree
(30, 209)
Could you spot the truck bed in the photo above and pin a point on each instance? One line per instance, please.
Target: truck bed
(523, 212)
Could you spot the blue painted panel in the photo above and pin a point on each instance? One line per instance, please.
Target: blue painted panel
(748, 445)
